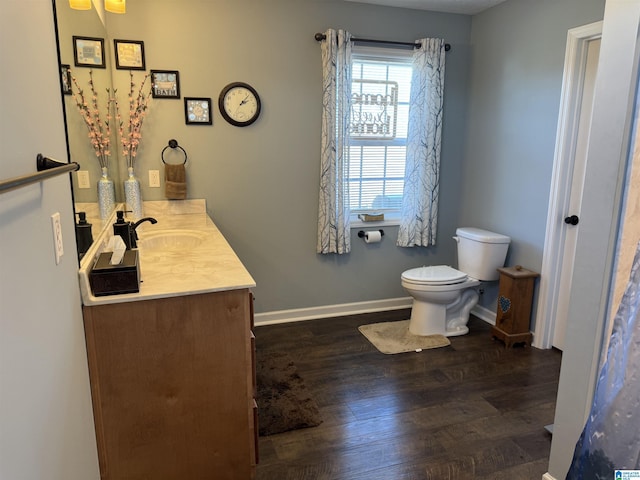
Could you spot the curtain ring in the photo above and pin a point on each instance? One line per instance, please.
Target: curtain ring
(173, 144)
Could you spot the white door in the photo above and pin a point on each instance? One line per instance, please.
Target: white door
(577, 185)
(574, 126)
(607, 158)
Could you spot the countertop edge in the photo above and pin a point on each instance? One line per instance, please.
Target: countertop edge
(205, 282)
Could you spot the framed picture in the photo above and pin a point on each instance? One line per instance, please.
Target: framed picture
(129, 54)
(165, 84)
(197, 111)
(88, 52)
(65, 79)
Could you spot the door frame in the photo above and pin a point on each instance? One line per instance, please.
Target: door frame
(550, 292)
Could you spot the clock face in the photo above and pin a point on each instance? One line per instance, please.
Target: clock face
(239, 104)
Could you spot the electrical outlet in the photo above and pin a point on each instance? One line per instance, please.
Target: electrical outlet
(58, 245)
(154, 178)
(83, 179)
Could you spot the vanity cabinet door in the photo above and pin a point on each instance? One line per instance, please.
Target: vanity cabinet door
(172, 387)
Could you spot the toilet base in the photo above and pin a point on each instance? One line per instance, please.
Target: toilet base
(450, 320)
(433, 325)
(455, 331)
(427, 318)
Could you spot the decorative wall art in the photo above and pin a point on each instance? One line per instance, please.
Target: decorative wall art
(65, 78)
(197, 111)
(88, 52)
(165, 84)
(129, 54)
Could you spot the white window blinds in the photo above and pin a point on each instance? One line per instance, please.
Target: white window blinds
(381, 85)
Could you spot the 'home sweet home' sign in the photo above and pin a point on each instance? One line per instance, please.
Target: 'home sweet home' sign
(374, 109)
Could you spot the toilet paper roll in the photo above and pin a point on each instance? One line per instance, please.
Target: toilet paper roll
(373, 236)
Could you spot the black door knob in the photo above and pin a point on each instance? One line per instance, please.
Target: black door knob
(572, 220)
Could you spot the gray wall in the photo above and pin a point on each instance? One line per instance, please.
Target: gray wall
(503, 82)
(46, 423)
(517, 60)
(261, 182)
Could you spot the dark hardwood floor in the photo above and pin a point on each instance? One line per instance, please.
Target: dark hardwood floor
(473, 410)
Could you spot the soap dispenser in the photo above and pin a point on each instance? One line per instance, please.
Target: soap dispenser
(123, 228)
(84, 237)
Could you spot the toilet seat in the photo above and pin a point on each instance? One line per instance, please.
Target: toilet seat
(434, 275)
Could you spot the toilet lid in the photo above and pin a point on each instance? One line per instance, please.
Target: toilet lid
(434, 275)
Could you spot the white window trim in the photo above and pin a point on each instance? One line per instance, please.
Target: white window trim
(391, 218)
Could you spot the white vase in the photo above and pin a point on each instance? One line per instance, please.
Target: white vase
(132, 195)
(106, 194)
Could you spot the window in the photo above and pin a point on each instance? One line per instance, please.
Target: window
(381, 85)
(375, 117)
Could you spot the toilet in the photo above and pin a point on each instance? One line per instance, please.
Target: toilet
(444, 296)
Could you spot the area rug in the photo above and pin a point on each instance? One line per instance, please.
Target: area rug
(394, 337)
(284, 402)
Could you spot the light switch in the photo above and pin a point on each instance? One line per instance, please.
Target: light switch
(83, 179)
(154, 178)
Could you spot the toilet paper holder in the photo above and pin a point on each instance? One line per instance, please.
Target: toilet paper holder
(361, 233)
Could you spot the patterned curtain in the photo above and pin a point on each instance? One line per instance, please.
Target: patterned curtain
(610, 440)
(334, 235)
(419, 215)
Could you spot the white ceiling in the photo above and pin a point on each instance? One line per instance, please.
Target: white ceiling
(468, 7)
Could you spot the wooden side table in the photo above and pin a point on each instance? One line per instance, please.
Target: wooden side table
(514, 305)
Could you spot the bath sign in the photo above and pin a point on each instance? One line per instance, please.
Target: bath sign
(374, 109)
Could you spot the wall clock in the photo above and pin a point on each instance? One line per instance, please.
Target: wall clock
(239, 104)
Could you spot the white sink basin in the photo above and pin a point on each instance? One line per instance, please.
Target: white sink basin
(171, 240)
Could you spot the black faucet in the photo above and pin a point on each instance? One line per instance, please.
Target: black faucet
(127, 230)
(134, 235)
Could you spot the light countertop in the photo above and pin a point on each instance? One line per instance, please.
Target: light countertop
(210, 266)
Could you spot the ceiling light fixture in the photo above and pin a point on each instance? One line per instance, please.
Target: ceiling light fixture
(115, 6)
(80, 4)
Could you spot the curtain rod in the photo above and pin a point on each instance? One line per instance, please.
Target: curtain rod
(321, 36)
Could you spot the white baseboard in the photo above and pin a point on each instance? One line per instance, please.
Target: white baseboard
(301, 314)
(484, 314)
(548, 476)
(340, 310)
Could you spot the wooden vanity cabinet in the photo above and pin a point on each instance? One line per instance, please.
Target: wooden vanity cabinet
(172, 383)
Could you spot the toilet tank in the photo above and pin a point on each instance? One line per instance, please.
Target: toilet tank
(481, 252)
